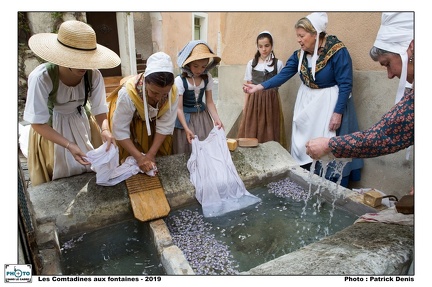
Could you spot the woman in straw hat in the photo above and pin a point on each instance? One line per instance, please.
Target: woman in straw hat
(143, 115)
(393, 49)
(195, 117)
(262, 113)
(324, 105)
(61, 131)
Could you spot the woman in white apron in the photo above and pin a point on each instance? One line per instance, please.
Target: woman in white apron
(324, 99)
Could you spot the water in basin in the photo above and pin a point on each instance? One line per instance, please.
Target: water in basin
(126, 248)
(283, 222)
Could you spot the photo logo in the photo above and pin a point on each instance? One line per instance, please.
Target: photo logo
(18, 273)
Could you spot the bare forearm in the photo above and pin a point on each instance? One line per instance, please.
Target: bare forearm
(50, 134)
(102, 121)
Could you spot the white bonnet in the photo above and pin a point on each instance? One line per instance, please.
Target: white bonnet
(396, 32)
(159, 62)
(319, 20)
(265, 32)
(395, 35)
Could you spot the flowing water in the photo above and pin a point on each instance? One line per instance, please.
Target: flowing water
(287, 219)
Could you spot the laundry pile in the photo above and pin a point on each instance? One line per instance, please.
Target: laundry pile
(218, 186)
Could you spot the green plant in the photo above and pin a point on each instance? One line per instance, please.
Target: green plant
(23, 28)
(57, 18)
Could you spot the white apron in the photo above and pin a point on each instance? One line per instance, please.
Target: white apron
(312, 113)
(76, 128)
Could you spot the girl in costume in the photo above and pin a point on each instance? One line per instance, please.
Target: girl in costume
(196, 116)
(262, 113)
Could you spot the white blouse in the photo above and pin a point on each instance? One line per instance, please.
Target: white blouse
(260, 67)
(67, 98)
(125, 111)
(179, 83)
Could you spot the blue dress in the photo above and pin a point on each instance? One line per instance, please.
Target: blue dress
(319, 98)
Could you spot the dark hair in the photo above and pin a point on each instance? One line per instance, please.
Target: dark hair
(257, 54)
(160, 79)
(186, 75)
(375, 52)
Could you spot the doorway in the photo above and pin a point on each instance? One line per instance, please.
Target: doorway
(105, 26)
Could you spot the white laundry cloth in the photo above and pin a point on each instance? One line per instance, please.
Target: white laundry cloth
(218, 186)
(389, 215)
(24, 134)
(106, 165)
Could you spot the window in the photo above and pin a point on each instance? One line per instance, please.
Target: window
(199, 26)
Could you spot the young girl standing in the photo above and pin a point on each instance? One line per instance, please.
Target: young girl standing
(195, 116)
(262, 112)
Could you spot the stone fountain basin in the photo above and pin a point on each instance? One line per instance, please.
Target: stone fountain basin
(76, 205)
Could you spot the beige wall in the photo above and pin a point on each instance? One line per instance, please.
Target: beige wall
(177, 32)
(373, 92)
(239, 31)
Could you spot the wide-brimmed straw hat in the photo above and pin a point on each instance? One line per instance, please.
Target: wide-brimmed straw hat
(199, 52)
(74, 46)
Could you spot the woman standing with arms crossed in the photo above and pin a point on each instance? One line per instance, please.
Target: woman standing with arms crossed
(323, 100)
(262, 113)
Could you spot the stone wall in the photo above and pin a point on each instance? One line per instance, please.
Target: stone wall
(36, 22)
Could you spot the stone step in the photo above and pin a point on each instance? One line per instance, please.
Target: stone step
(111, 83)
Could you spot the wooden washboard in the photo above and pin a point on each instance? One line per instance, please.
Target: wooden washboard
(147, 197)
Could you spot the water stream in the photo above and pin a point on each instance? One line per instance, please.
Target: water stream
(286, 220)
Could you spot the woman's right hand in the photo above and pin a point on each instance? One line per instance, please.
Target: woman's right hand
(251, 88)
(77, 154)
(189, 135)
(146, 163)
(317, 148)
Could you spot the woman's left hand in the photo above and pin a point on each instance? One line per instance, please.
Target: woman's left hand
(146, 163)
(108, 137)
(335, 122)
(219, 124)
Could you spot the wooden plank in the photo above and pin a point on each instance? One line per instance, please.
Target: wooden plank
(147, 197)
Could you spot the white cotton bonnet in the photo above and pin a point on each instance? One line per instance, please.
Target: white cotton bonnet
(267, 32)
(319, 20)
(157, 62)
(395, 35)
